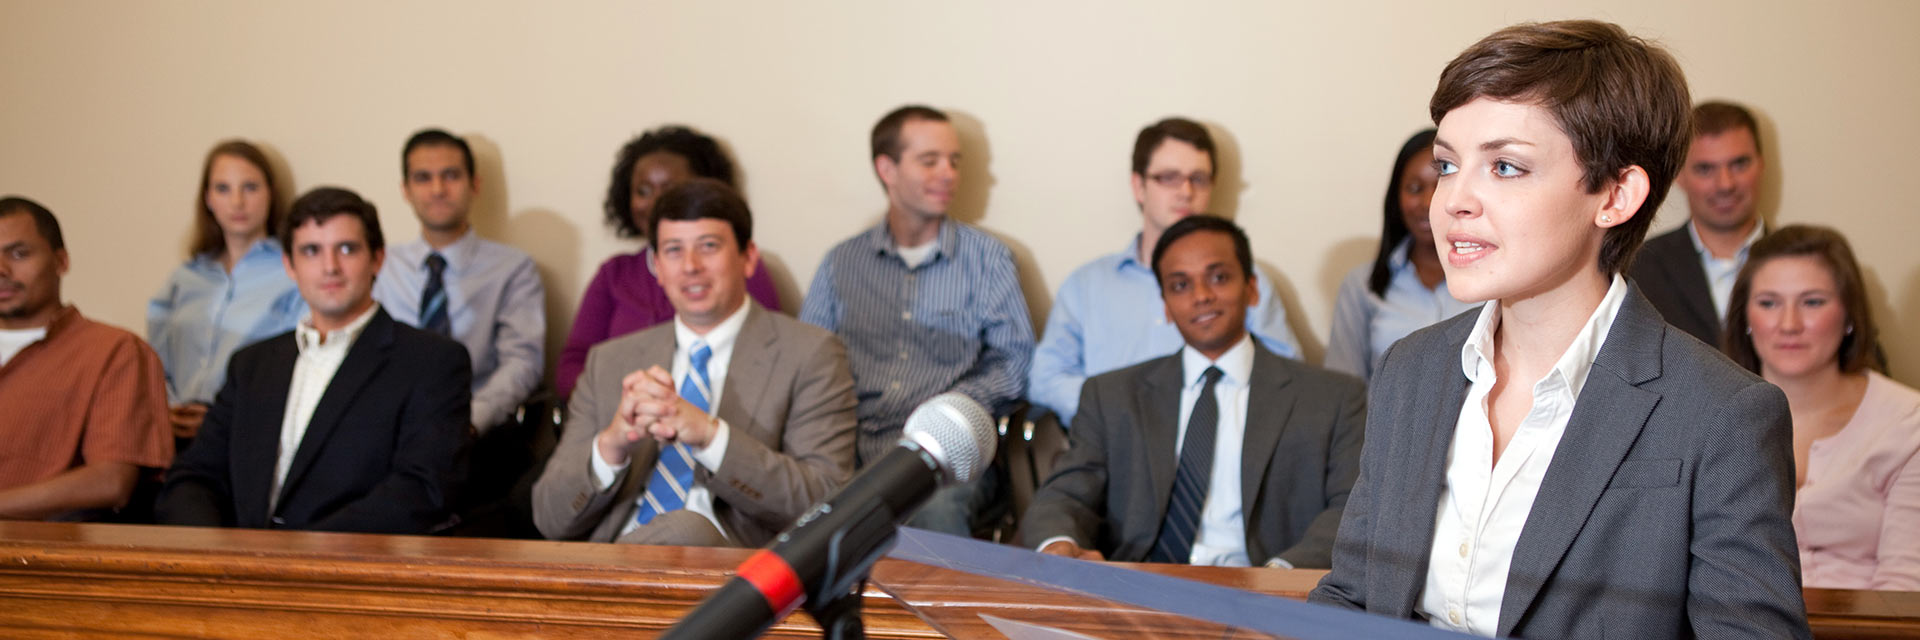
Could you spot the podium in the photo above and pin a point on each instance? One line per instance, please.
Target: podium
(124, 581)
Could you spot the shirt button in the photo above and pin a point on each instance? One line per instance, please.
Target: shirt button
(895, 385)
(906, 315)
(1453, 615)
(1463, 549)
(903, 355)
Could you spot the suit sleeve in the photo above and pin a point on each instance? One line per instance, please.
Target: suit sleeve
(1345, 585)
(198, 490)
(774, 487)
(1744, 580)
(429, 451)
(568, 502)
(1315, 548)
(1073, 500)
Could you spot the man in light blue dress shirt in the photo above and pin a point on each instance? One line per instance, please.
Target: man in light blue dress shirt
(483, 294)
(1108, 314)
(925, 305)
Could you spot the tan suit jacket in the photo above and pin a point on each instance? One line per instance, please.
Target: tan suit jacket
(788, 401)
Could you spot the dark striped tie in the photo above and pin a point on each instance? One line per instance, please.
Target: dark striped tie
(433, 299)
(1175, 544)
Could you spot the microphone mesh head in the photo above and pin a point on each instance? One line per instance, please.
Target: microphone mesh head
(957, 431)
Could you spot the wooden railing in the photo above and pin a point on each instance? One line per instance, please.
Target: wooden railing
(120, 581)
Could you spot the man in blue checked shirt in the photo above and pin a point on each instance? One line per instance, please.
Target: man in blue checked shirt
(1108, 314)
(925, 305)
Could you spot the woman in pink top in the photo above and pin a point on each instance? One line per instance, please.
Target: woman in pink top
(1798, 316)
(624, 297)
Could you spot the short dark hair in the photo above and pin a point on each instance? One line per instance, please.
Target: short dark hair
(1205, 222)
(208, 238)
(702, 198)
(43, 220)
(886, 132)
(1715, 117)
(1176, 128)
(1860, 349)
(432, 137)
(703, 157)
(1393, 228)
(1621, 100)
(323, 203)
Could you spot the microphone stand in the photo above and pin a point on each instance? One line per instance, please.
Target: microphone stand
(839, 618)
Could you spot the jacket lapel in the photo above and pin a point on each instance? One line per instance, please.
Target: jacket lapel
(256, 432)
(1269, 406)
(749, 373)
(1607, 419)
(364, 360)
(1160, 424)
(1433, 416)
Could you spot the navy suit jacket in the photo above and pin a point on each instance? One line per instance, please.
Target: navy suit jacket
(379, 455)
(1663, 514)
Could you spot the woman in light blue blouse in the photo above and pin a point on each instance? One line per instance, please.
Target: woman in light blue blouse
(233, 290)
(1404, 289)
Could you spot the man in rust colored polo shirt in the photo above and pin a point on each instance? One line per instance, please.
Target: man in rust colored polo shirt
(83, 406)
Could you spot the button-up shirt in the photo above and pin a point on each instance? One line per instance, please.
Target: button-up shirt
(956, 322)
(1109, 315)
(1721, 272)
(320, 356)
(496, 306)
(1365, 324)
(204, 313)
(1485, 504)
(720, 340)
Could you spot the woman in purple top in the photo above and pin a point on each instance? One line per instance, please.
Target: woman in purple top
(624, 297)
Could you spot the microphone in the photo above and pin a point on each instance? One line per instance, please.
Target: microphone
(829, 550)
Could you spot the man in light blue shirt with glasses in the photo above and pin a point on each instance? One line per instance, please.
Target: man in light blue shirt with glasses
(1108, 314)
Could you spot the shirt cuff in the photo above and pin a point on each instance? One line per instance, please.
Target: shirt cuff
(715, 452)
(1277, 563)
(1049, 541)
(604, 474)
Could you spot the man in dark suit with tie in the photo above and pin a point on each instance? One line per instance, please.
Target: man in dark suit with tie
(1688, 273)
(351, 422)
(1221, 454)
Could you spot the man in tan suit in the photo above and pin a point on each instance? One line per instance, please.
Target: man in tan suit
(718, 429)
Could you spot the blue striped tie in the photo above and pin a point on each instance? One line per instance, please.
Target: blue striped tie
(433, 298)
(1175, 543)
(673, 475)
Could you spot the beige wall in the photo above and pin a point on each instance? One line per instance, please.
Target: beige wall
(108, 106)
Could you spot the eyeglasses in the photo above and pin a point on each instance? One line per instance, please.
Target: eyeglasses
(1172, 179)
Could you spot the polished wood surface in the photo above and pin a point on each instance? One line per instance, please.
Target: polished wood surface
(121, 581)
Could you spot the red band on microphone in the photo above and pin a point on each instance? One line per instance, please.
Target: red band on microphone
(775, 581)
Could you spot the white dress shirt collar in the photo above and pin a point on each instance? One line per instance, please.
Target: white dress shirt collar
(720, 338)
(1236, 363)
(305, 336)
(1573, 366)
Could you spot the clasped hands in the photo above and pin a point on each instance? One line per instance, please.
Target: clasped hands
(651, 408)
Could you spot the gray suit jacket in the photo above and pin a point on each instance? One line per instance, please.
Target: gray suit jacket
(1668, 271)
(1664, 513)
(788, 401)
(1299, 458)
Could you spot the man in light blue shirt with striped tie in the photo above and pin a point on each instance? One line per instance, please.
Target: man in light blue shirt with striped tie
(717, 429)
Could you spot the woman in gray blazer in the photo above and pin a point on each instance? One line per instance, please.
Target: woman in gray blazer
(1562, 464)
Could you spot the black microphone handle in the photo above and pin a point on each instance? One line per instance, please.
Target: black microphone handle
(829, 549)
(735, 610)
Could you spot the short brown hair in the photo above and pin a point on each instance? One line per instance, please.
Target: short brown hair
(1621, 100)
(323, 203)
(699, 198)
(886, 133)
(1859, 350)
(1159, 133)
(207, 236)
(1715, 117)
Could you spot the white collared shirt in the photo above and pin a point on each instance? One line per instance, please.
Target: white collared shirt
(1721, 272)
(721, 340)
(320, 357)
(1222, 538)
(1485, 505)
(12, 341)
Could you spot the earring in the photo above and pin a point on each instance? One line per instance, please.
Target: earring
(1750, 330)
(1849, 329)
(1606, 219)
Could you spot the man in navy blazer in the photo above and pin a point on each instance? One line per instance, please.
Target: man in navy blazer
(351, 422)
(1280, 440)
